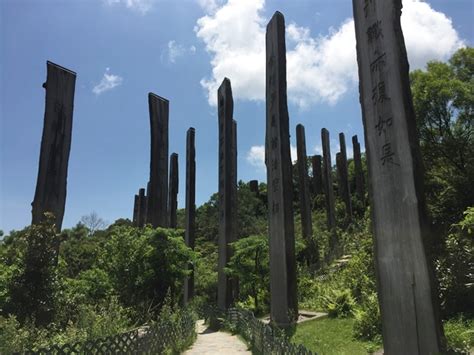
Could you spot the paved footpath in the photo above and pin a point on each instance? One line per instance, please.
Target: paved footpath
(210, 342)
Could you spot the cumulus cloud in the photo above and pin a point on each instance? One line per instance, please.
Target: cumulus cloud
(175, 50)
(319, 69)
(108, 82)
(429, 34)
(141, 6)
(256, 156)
(209, 6)
(234, 36)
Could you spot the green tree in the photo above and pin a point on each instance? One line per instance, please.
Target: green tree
(33, 291)
(250, 263)
(443, 98)
(144, 264)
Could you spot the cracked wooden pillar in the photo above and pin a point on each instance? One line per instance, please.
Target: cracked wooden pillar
(406, 292)
(135, 211)
(305, 197)
(157, 199)
(283, 294)
(329, 195)
(316, 161)
(51, 183)
(344, 177)
(190, 209)
(141, 213)
(173, 190)
(358, 171)
(227, 175)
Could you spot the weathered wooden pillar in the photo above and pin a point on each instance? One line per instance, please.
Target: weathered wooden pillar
(234, 280)
(51, 184)
(316, 161)
(190, 217)
(334, 248)
(283, 297)
(327, 180)
(253, 186)
(227, 175)
(305, 197)
(135, 211)
(142, 203)
(358, 171)
(145, 210)
(173, 190)
(408, 303)
(344, 177)
(157, 206)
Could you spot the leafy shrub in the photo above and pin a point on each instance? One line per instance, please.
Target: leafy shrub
(33, 292)
(93, 322)
(12, 337)
(456, 266)
(459, 334)
(250, 264)
(368, 324)
(339, 304)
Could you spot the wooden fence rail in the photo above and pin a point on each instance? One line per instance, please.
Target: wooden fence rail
(260, 336)
(159, 338)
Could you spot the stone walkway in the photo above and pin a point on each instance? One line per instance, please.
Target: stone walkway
(210, 342)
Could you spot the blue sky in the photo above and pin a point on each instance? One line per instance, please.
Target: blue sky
(181, 50)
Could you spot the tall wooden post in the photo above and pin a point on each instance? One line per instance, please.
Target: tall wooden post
(157, 207)
(344, 177)
(305, 197)
(227, 203)
(283, 298)
(141, 213)
(173, 190)
(359, 173)
(408, 303)
(190, 218)
(51, 184)
(316, 162)
(334, 248)
(253, 186)
(135, 211)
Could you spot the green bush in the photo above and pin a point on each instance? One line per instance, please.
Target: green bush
(93, 322)
(455, 267)
(33, 291)
(13, 338)
(339, 303)
(368, 324)
(459, 334)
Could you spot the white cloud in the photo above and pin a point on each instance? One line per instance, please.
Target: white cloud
(319, 69)
(256, 156)
(209, 5)
(176, 50)
(235, 37)
(429, 34)
(108, 82)
(141, 6)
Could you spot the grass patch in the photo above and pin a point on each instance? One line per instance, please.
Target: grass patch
(328, 336)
